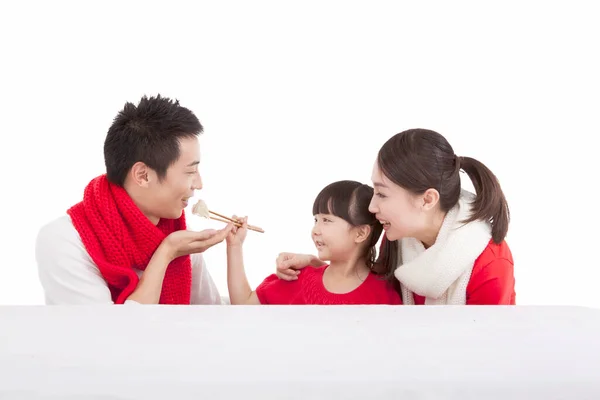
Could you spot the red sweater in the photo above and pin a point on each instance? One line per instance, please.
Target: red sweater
(309, 289)
(492, 280)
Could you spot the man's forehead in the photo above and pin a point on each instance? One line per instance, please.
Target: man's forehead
(189, 142)
(189, 149)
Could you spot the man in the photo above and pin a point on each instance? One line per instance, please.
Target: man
(126, 241)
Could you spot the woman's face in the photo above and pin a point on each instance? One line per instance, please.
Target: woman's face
(396, 208)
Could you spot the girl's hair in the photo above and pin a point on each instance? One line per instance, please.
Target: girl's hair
(350, 201)
(420, 159)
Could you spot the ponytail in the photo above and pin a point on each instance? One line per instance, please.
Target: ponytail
(490, 203)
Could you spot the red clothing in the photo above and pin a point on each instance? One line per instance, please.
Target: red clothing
(492, 280)
(118, 238)
(309, 289)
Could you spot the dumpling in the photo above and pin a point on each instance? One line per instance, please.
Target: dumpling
(201, 209)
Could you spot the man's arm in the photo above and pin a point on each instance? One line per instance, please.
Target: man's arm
(69, 276)
(67, 273)
(177, 244)
(149, 287)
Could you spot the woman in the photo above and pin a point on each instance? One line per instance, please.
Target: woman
(443, 244)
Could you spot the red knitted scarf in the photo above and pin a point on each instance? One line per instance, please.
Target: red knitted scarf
(118, 238)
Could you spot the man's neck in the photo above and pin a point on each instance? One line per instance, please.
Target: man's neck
(132, 192)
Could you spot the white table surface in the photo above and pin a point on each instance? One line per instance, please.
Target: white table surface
(299, 352)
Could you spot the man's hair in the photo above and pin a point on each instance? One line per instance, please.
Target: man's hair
(150, 133)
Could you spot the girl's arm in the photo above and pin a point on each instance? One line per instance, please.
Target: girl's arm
(237, 282)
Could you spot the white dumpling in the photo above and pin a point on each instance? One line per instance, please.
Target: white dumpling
(201, 209)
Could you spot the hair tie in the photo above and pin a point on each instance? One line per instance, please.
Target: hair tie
(458, 161)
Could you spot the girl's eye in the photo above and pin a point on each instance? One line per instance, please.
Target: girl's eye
(381, 196)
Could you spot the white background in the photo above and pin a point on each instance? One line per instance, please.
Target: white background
(295, 96)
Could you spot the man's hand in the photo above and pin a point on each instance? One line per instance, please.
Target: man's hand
(184, 242)
(177, 244)
(289, 264)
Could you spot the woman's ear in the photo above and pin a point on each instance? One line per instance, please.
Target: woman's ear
(362, 233)
(430, 198)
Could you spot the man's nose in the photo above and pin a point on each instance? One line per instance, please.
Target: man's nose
(197, 184)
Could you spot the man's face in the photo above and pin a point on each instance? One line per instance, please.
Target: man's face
(168, 197)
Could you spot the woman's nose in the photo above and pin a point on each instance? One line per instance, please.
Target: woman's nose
(372, 206)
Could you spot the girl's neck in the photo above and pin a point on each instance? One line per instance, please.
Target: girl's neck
(349, 268)
(345, 276)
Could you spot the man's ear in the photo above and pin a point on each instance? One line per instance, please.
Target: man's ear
(362, 233)
(140, 174)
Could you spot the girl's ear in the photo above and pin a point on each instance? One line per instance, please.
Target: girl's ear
(362, 233)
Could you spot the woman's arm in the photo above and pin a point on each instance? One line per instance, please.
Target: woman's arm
(492, 284)
(290, 264)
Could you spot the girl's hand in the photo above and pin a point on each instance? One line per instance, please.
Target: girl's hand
(238, 234)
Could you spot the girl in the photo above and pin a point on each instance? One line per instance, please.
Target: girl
(443, 244)
(345, 234)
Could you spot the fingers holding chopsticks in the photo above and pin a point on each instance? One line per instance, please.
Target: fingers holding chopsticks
(238, 233)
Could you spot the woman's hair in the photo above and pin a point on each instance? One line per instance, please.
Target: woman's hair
(420, 159)
(350, 201)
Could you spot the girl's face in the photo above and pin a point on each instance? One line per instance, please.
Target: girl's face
(396, 208)
(334, 238)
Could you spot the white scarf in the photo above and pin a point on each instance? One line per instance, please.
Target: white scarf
(441, 273)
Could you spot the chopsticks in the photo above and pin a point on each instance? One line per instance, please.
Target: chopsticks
(223, 218)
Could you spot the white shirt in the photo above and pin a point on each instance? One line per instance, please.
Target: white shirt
(69, 276)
